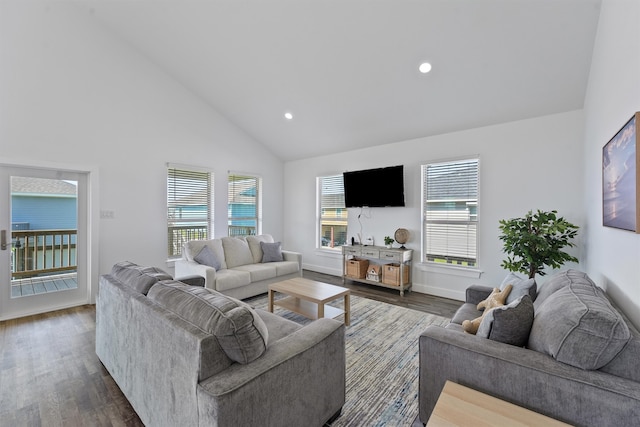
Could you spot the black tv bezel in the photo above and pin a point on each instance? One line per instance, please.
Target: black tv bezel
(386, 180)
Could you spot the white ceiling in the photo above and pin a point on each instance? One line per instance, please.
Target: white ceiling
(347, 69)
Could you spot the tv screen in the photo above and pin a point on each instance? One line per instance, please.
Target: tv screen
(380, 187)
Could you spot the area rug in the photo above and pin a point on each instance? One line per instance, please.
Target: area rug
(382, 361)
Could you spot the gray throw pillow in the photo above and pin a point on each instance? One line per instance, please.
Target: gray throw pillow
(207, 257)
(578, 326)
(271, 252)
(520, 287)
(510, 323)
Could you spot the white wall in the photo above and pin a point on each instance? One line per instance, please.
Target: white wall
(73, 95)
(613, 256)
(525, 165)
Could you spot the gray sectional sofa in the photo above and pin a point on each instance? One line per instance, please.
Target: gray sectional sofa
(240, 267)
(562, 350)
(190, 356)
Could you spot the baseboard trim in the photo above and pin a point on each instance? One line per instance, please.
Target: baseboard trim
(438, 292)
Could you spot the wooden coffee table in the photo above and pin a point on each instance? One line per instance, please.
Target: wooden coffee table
(308, 297)
(461, 406)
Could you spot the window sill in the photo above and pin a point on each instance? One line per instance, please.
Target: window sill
(331, 253)
(451, 270)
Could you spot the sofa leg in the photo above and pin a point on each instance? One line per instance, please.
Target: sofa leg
(333, 417)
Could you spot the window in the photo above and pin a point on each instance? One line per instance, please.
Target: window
(189, 206)
(450, 212)
(332, 222)
(244, 213)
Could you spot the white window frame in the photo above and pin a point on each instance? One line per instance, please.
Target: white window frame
(454, 252)
(341, 216)
(196, 189)
(238, 183)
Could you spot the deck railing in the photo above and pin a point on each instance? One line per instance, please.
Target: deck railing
(39, 252)
(179, 235)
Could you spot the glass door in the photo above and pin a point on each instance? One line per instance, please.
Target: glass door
(42, 240)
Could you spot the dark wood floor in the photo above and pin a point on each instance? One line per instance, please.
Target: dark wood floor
(416, 301)
(50, 375)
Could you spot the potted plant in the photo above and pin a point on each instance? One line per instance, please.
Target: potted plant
(388, 241)
(536, 241)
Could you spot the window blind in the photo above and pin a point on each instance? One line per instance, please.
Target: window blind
(450, 211)
(189, 206)
(333, 214)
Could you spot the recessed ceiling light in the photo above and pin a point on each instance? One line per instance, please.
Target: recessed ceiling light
(288, 116)
(425, 67)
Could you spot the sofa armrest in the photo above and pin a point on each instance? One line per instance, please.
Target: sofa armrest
(524, 377)
(193, 280)
(476, 293)
(302, 374)
(184, 268)
(293, 256)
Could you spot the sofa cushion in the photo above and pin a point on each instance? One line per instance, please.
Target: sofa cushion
(467, 311)
(557, 282)
(240, 331)
(207, 257)
(236, 252)
(231, 278)
(509, 323)
(254, 246)
(259, 272)
(520, 287)
(140, 278)
(191, 248)
(578, 326)
(271, 252)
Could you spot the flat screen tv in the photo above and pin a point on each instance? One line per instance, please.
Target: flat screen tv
(382, 187)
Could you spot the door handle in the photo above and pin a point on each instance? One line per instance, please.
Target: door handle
(3, 240)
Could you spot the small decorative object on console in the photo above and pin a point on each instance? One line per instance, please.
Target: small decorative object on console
(374, 273)
(402, 236)
(388, 241)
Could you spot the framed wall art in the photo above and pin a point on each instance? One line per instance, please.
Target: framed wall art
(620, 185)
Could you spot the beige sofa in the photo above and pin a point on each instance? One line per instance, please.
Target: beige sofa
(240, 267)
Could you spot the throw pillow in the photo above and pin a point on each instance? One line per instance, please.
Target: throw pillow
(578, 326)
(520, 287)
(207, 257)
(495, 299)
(240, 331)
(509, 324)
(254, 245)
(271, 252)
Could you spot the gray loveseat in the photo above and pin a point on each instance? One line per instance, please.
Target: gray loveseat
(577, 362)
(189, 356)
(240, 267)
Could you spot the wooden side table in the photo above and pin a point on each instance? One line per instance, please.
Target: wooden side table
(461, 406)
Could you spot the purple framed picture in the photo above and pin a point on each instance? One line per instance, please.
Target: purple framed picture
(620, 179)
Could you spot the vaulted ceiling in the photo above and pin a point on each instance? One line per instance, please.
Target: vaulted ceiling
(347, 70)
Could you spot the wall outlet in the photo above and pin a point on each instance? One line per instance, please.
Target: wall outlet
(107, 214)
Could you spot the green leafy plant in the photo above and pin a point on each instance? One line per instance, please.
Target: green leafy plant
(536, 241)
(388, 240)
